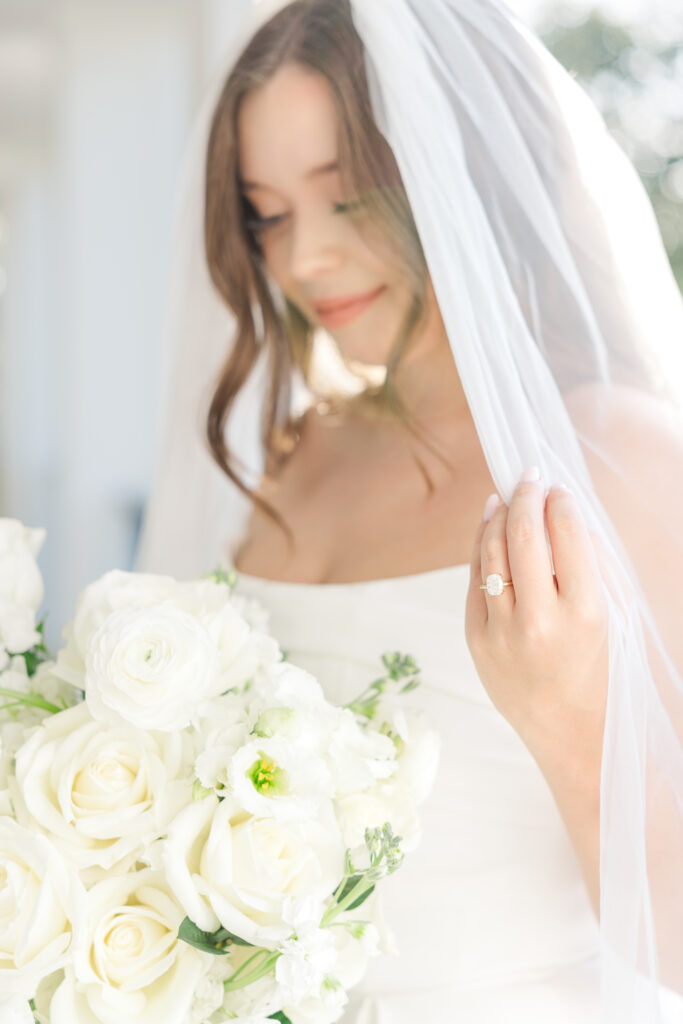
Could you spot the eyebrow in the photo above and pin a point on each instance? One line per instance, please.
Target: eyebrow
(315, 172)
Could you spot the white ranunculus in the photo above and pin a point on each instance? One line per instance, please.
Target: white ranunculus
(150, 667)
(41, 909)
(278, 777)
(238, 873)
(100, 792)
(244, 652)
(15, 1010)
(20, 580)
(131, 966)
(111, 592)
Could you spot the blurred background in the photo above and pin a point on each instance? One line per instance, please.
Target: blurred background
(96, 102)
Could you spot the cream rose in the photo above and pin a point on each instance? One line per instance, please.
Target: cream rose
(239, 873)
(14, 1010)
(41, 909)
(130, 966)
(150, 667)
(100, 792)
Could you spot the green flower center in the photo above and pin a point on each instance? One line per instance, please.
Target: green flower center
(267, 777)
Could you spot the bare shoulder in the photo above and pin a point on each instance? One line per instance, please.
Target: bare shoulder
(625, 430)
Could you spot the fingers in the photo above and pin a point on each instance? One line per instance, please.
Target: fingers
(476, 613)
(494, 558)
(529, 558)
(573, 555)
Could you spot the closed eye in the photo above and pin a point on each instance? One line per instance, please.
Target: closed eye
(258, 224)
(349, 206)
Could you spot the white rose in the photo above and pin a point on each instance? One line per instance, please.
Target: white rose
(100, 792)
(41, 909)
(14, 1010)
(150, 667)
(113, 591)
(238, 874)
(20, 579)
(131, 966)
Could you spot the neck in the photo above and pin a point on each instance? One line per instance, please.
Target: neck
(427, 378)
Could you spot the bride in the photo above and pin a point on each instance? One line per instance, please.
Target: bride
(500, 493)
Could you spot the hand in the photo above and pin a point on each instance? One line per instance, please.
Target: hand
(541, 647)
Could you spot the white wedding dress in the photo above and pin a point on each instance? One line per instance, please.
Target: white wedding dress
(490, 913)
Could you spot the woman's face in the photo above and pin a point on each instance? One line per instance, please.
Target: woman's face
(340, 279)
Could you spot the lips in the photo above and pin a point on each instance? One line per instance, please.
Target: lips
(334, 312)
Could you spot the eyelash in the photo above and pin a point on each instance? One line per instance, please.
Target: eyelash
(258, 224)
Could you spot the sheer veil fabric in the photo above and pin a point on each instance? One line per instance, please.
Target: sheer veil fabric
(567, 330)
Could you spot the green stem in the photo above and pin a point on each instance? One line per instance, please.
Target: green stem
(241, 978)
(335, 909)
(32, 700)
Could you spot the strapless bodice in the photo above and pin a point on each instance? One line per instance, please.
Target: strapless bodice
(490, 913)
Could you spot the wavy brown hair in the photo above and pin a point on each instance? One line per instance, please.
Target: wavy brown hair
(318, 35)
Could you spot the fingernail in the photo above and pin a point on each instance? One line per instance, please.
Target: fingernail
(492, 503)
(530, 475)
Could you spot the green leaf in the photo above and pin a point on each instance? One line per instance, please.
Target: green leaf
(283, 1018)
(350, 884)
(219, 942)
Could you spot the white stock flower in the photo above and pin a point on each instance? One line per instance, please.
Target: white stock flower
(150, 667)
(20, 580)
(131, 966)
(41, 909)
(239, 873)
(100, 792)
(15, 1010)
(111, 592)
(274, 776)
(308, 955)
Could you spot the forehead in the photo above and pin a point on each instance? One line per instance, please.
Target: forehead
(286, 127)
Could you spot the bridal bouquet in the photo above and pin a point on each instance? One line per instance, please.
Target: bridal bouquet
(189, 830)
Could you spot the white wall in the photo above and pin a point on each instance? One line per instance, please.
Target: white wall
(87, 184)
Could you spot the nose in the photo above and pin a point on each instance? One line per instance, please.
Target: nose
(316, 248)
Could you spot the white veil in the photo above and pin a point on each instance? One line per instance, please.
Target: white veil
(561, 310)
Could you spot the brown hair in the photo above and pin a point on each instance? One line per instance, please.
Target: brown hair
(320, 36)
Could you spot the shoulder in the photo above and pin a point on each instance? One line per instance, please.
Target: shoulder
(629, 433)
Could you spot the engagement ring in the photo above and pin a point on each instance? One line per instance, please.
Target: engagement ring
(495, 584)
